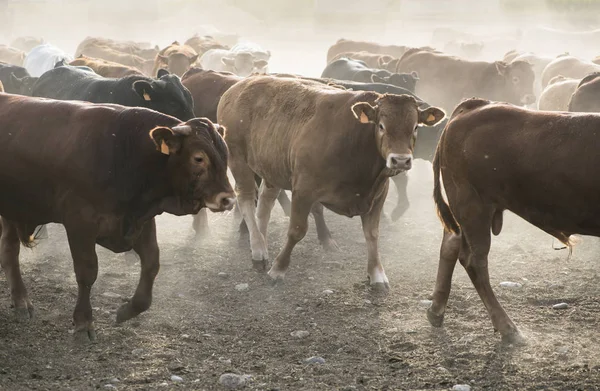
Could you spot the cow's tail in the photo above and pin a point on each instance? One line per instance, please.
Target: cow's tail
(443, 209)
(29, 239)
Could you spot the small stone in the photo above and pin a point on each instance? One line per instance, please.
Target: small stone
(461, 387)
(223, 275)
(299, 309)
(560, 306)
(311, 278)
(425, 303)
(562, 350)
(176, 379)
(510, 284)
(231, 380)
(112, 295)
(110, 387)
(185, 336)
(312, 324)
(367, 301)
(114, 380)
(314, 360)
(300, 334)
(225, 360)
(242, 287)
(327, 292)
(137, 352)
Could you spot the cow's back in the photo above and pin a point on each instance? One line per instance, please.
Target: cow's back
(68, 83)
(557, 94)
(568, 66)
(207, 87)
(43, 58)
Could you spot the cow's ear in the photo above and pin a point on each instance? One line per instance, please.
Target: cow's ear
(162, 72)
(143, 89)
(260, 64)
(415, 75)
(165, 140)
(431, 116)
(228, 61)
(377, 79)
(221, 129)
(193, 59)
(364, 112)
(501, 67)
(162, 59)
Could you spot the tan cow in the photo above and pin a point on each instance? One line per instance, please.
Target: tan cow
(346, 45)
(557, 94)
(568, 66)
(586, 97)
(106, 68)
(27, 43)
(446, 80)
(140, 49)
(202, 44)
(11, 55)
(331, 147)
(108, 54)
(176, 58)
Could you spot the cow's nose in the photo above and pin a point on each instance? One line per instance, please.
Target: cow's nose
(226, 201)
(398, 161)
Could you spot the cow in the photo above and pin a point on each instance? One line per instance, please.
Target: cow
(446, 80)
(43, 58)
(26, 44)
(586, 97)
(372, 60)
(109, 54)
(104, 172)
(202, 44)
(106, 68)
(512, 54)
(568, 66)
(354, 70)
(16, 79)
(165, 94)
(493, 157)
(11, 55)
(557, 94)
(176, 58)
(241, 64)
(363, 138)
(346, 45)
(467, 49)
(1, 87)
(539, 63)
(144, 51)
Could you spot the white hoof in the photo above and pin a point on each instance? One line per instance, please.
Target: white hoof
(276, 275)
(377, 277)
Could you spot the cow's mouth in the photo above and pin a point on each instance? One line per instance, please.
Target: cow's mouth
(221, 202)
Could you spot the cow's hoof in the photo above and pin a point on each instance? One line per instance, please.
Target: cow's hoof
(380, 287)
(260, 265)
(514, 338)
(276, 275)
(434, 319)
(330, 246)
(84, 336)
(23, 314)
(126, 312)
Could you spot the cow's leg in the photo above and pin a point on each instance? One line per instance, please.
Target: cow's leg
(323, 233)
(200, 223)
(402, 203)
(301, 207)
(9, 259)
(449, 252)
(82, 242)
(147, 248)
(285, 203)
(477, 235)
(266, 200)
(370, 224)
(245, 187)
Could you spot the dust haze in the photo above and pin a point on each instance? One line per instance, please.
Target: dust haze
(200, 326)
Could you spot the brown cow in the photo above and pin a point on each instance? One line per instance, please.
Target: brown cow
(446, 80)
(106, 68)
(330, 147)
(108, 54)
(372, 60)
(202, 44)
(494, 157)
(128, 47)
(11, 55)
(557, 94)
(27, 43)
(104, 172)
(586, 97)
(176, 58)
(346, 45)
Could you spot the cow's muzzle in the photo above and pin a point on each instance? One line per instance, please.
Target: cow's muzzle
(399, 161)
(222, 202)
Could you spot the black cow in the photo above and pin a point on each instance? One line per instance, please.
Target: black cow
(165, 94)
(356, 70)
(16, 79)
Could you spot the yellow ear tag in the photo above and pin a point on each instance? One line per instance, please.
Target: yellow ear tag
(430, 118)
(164, 148)
(146, 96)
(363, 118)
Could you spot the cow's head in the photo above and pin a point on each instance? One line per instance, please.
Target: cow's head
(166, 95)
(244, 64)
(404, 80)
(197, 165)
(178, 63)
(518, 79)
(22, 85)
(395, 120)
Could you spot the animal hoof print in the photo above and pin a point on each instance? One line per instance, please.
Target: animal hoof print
(260, 266)
(84, 337)
(514, 338)
(434, 319)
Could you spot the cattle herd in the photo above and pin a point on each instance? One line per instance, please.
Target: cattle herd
(104, 140)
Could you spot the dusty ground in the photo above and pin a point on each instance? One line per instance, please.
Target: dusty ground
(199, 321)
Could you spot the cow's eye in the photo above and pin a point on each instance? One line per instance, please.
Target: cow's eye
(381, 127)
(199, 159)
